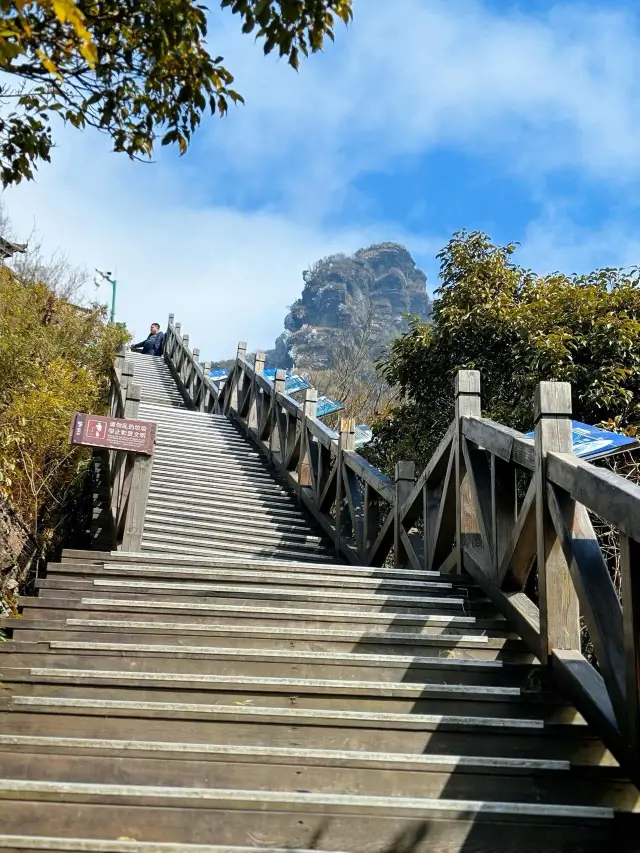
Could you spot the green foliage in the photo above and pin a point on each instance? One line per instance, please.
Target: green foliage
(56, 359)
(517, 328)
(140, 70)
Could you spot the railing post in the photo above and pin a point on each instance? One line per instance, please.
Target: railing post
(137, 504)
(630, 594)
(205, 398)
(279, 384)
(346, 441)
(558, 601)
(134, 393)
(170, 321)
(258, 368)
(404, 480)
(233, 399)
(309, 408)
(468, 404)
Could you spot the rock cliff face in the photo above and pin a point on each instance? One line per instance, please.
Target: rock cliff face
(351, 300)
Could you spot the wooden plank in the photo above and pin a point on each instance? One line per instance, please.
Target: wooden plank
(578, 680)
(503, 509)
(383, 542)
(519, 611)
(612, 497)
(437, 466)
(599, 603)
(356, 507)
(304, 463)
(559, 608)
(468, 404)
(289, 405)
(409, 543)
(630, 593)
(506, 443)
(327, 437)
(328, 494)
(371, 516)
(479, 473)
(404, 478)
(371, 475)
(137, 505)
(520, 555)
(442, 541)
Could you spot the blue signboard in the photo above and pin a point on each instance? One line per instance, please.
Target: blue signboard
(326, 406)
(590, 442)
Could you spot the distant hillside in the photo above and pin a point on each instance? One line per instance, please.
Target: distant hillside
(351, 302)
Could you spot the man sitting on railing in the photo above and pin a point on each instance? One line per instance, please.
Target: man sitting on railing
(153, 344)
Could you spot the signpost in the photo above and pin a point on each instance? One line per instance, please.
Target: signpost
(113, 433)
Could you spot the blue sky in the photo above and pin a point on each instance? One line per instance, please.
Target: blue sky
(426, 116)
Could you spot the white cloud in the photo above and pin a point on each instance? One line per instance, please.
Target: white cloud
(220, 237)
(548, 91)
(553, 242)
(227, 275)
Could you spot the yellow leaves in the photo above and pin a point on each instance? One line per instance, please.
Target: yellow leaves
(48, 64)
(16, 32)
(66, 11)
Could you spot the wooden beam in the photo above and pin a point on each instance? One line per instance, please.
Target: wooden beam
(345, 442)
(612, 497)
(502, 441)
(479, 474)
(304, 463)
(559, 609)
(630, 594)
(520, 554)
(503, 509)
(467, 392)
(519, 611)
(436, 467)
(371, 475)
(599, 604)
(442, 505)
(404, 479)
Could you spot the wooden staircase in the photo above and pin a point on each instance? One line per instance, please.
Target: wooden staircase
(278, 705)
(232, 686)
(210, 490)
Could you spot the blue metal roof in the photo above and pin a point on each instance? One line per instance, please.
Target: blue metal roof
(590, 442)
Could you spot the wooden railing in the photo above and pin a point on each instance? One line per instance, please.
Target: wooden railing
(491, 503)
(129, 473)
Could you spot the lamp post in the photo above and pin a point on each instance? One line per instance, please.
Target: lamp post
(106, 276)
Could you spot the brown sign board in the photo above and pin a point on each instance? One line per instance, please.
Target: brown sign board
(113, 433)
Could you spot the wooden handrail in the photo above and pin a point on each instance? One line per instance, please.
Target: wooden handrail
(467, 512)
(129, 473)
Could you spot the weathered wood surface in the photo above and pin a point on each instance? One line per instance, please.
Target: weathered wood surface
(462, 514)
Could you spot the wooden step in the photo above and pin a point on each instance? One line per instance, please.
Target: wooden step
(296, 820)
(328, 639)
(284, 616)
(312, 728)
(317, 771)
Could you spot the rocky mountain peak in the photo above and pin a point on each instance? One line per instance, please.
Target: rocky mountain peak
(351, 297)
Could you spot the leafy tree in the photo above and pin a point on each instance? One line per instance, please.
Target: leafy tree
(517, 328)
(140, 70)
(56, 359)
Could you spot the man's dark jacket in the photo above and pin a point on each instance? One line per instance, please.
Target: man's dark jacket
(152, 345)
